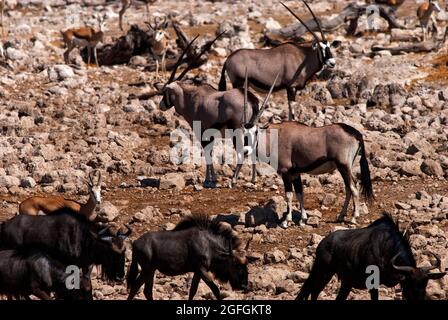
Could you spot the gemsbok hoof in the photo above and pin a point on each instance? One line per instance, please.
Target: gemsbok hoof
(340, 218)
(231, 184)
(284, 224)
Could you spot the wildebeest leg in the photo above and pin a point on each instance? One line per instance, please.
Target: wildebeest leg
(288, 189)
(194, 285)
(149, 281)
(321, 279)
(344, 291)
(347, 177)
(206, 278)
(290, 92)
(373, 294)
(138, 284)
(298, 187)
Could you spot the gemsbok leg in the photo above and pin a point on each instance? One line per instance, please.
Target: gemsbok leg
(210, 181)
(291, 97)
(298, 188)
(289, 196)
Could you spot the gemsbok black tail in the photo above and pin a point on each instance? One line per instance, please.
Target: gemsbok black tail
(222, 82)
(366, 182)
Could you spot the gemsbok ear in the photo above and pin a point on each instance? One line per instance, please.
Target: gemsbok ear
(335, 43)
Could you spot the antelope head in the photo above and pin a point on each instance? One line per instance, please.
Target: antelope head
(435, 6)
(158, 26)
(415, 280)
(250, 128)
(95, 187)
(170, 89)
(323, 45)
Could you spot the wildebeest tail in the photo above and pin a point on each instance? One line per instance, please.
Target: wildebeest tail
(222, 81)
(366, 182)
(133, 272)
(308, 285)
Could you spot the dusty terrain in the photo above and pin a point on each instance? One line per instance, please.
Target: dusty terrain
(57, 123)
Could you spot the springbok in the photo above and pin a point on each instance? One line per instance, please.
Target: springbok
(84, 37)
(425, 14)
(213, 109)
(125, 4)
(296, 63)
(52, 204)
(158, 42)
(304, 149)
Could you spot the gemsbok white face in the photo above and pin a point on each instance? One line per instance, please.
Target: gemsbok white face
(95, 187)
(326, 54)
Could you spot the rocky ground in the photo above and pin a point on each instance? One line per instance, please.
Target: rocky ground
(58, 122)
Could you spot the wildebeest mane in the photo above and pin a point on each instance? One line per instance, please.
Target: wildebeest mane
(203, 222)
(388, 222)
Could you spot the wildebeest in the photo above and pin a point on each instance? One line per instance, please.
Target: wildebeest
(197, 245)
(348, 253)
(26, 272)
(70, 238)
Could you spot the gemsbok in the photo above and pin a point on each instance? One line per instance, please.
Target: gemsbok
(213, 109)
(296, 63)
(304, 149)
(50, 204)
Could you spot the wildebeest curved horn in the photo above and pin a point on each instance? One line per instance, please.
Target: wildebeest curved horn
(127, 233)
(401, 268)
(301, 21)
(263, 106)
(179, 61)
(204, 50)
(433, 266)
(315, 19)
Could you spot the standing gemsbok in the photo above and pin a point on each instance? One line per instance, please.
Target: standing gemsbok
(304, 149)
(296, 63)
(213, 109)
(51, 204)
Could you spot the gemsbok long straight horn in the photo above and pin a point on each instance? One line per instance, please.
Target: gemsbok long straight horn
(298, 62)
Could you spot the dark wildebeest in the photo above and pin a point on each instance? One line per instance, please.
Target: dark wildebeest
(197, 245)
(70, 238)
(26, 272)
(348, 253)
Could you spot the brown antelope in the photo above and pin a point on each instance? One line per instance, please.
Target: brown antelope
(425, 14)
(213, 109)
(304, 149)
(50, 204)
(159, 42)
(296, 63)
(125, 4)
(84, 37)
